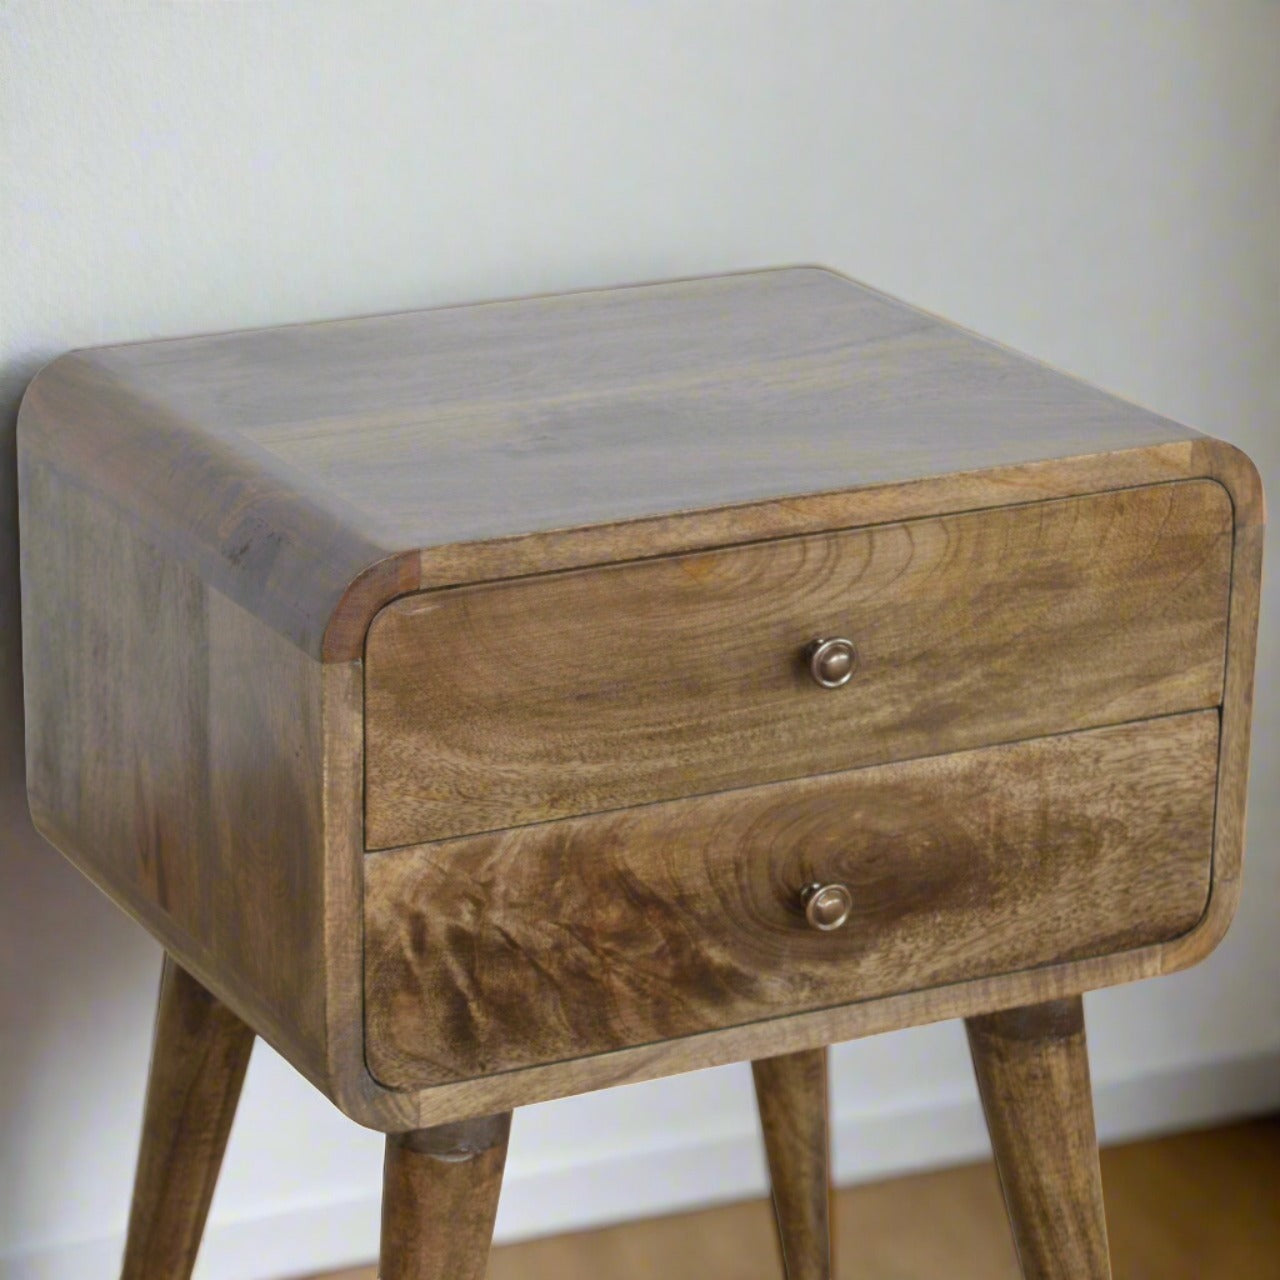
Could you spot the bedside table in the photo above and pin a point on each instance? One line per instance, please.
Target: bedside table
(489, 704)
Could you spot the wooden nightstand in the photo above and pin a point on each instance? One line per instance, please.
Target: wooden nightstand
(495, 703)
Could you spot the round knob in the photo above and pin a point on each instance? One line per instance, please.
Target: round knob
(831, 662)
(826, 906)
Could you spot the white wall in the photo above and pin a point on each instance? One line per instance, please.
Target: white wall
(1095, 183)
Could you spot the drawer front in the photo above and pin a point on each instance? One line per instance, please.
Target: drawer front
(572, 693)
(572, 938)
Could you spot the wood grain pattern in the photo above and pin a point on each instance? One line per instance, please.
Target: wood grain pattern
(198, 1060)
(791, 1094)
(497, 706)
(440, 1192)
(175, 754)
(1033, 1074)
(554, 942)
(313, 472)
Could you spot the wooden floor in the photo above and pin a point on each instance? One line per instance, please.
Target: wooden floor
(1198, 1206)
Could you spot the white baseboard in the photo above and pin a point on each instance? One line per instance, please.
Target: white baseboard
(628, 1185)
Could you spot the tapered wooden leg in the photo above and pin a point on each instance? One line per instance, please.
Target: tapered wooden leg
(198, 1060)
(1033, 1073)
(439, 1199)
(791, 1092)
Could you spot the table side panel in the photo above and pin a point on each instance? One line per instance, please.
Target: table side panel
(175, 755)
(520, 702)
(555, 942)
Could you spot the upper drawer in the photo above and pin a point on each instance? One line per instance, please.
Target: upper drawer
(521, 701)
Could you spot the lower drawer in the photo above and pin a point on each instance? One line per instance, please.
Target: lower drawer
(545, 943)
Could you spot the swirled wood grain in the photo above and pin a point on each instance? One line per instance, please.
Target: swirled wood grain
(576, 937)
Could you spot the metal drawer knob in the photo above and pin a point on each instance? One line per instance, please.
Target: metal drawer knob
(826, 906)
(831, 662)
